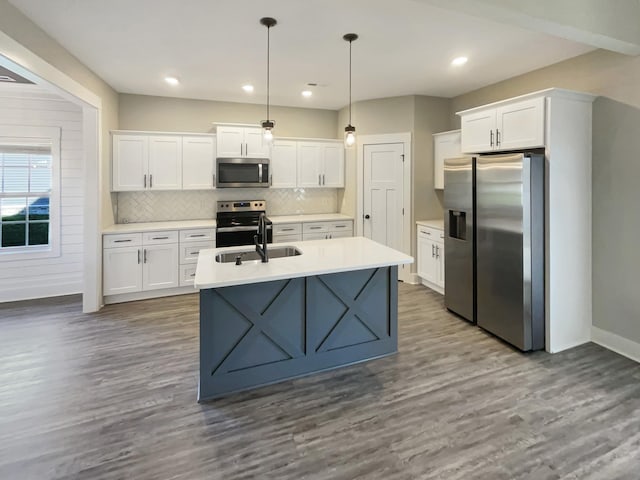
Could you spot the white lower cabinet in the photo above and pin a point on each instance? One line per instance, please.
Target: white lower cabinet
(157, 260)
(140, 262)
(327, 230)
(191, 242)
(159, 266)
(431, 257)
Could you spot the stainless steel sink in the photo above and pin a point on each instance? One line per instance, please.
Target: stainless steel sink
(247, 255)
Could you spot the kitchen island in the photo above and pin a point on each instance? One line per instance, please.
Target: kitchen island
(333, 304)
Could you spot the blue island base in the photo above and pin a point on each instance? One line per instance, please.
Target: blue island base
(260, 333)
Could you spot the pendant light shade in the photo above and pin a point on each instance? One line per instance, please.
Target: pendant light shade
(268, 124)
(350, 130)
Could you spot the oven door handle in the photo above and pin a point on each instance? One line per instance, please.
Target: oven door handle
(240, 229)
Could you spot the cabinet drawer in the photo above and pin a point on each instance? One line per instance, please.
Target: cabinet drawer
(316, 227)
(198, 235)
(341, 234)
(156, 238)
(296, 237)
(122, 240)
(431, 233)
(341, 226)
(287, 229)
(187, 275)
(189, 252)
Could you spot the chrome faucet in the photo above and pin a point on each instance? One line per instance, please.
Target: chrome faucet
(262, 231)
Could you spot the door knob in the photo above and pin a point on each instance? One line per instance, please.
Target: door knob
(367, 217)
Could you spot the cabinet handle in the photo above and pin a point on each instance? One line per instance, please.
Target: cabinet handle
(491, 139)
(145, 180)
(145, 256)
(160, 238)
(192, 275)
(433, 252)
(315, 228)
(121, 241)
(319, 179)
(271, 180)
(196, 235)
(194, 253)
(437, 252)
(426, 233)
(138, 256)
(340, 226)
(497, 137)
(151, 181)
(323, 179)
(288, 229)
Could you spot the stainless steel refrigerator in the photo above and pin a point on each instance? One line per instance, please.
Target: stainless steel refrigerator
(494, 244)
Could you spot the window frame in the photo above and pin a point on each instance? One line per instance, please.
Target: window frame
(50, 134)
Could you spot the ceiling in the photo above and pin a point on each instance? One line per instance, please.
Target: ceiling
(214, 47)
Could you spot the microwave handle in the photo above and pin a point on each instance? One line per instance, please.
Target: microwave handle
(260, 173)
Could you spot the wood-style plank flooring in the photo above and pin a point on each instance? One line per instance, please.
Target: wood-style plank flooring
(113, 396)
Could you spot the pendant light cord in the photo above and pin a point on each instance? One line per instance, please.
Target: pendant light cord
(268, 62)
(350, 42)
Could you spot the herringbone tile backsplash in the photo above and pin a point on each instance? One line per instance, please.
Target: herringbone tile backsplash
(133, 207)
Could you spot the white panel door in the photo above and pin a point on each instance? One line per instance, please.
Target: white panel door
(383, 193)
(130, 162)
(521, 125)
(309, 165)
(198, 163)
(478, 131)
(284, 164)
(333, 157)
(160, 266)
(165, 162)
(122, 270)
(254, 147)
(230, 142)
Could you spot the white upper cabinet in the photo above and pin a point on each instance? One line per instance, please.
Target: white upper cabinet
(333, 174)
(240, 142)
(165, 162)
(505, 127)
(445, 145)
(320, 164)
(198, 162)
(130, 162)
(284, 165)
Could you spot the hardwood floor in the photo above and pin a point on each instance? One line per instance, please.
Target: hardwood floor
(113, 396)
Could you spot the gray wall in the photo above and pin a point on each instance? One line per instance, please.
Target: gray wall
(21, 29)
(616, 169)
(142, 112)
(421, 116)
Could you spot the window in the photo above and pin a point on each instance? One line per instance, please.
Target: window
(28, 191)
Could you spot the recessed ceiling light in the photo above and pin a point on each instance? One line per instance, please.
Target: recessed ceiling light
(247, 88)
(307, 93)
(459, 61)
(172, 80)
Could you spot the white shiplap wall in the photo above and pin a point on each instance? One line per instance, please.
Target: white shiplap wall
(31, 105)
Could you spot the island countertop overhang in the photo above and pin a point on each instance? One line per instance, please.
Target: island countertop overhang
(318, 257)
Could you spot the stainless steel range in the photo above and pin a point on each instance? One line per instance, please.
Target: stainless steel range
(237, 222)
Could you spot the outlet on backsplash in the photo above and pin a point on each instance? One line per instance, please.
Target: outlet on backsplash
(135, 207)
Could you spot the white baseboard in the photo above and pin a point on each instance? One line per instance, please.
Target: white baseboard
(40, 291)
(616, 343)
(132, 297)
(432, 286)
(414, 279)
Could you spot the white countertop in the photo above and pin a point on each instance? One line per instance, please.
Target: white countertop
(318, 257)
(437, 223)
(314, 217)
(182, 224)
(151, 226)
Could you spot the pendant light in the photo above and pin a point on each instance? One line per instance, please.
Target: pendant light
(268, 124)
(350, 130)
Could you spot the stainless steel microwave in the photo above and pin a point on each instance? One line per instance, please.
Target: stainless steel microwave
(242, 172)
